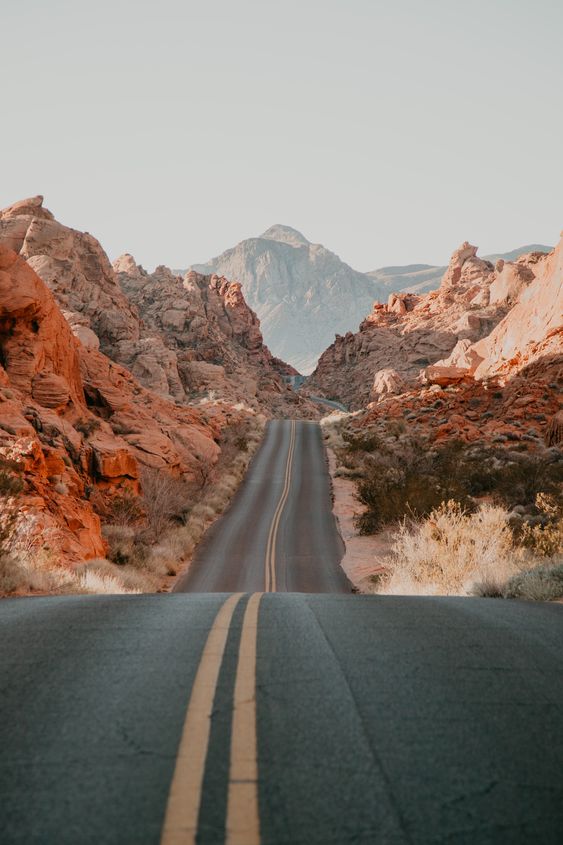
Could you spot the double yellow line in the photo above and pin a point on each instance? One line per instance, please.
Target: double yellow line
(270, 582)
(184, 800)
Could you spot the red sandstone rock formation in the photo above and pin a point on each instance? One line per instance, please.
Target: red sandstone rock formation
(185, 338)
(533, 328)
(504, 388)
(75, 421)
(481, 319)
(214, 337)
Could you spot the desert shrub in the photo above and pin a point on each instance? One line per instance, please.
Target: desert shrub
(410, 483)
(29, 568)
(544, 539)
(126, 545)
(166, 499)
(542, 583)
(410, 477)
(13, 576)
(449, 550)
(20, 574)
(488, 588)
(87, 425)
(361, 441)
(125, 508)
(396, 427)
(519, 482)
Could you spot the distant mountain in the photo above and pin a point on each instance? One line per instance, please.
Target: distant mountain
(421, 278)
(412, 278)
(303, 293)
(516, 253)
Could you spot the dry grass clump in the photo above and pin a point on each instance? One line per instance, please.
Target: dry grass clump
(11, 486)
(543, 583)
(456, 552)
(17, 576)
(444, 553)
(101, 576)
(545, 536)
(30, 567)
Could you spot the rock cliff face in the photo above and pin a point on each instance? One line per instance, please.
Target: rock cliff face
(212, 338)
(303, 293)
(410, 332)
(179, 338)
(78, 425)
(532, 330)
(75, 267)
(482, 321)
(504, 385)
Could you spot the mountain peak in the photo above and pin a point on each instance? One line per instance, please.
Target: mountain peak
(285, 234)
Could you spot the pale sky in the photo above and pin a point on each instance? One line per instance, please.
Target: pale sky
(389, 130)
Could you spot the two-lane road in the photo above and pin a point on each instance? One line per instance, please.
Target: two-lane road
(280, 719)
(263, 715)
(279, 534)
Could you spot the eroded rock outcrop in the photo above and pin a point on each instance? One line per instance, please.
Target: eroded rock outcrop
(411, 332)
(163, 329)
(503, 388)
(212, 336)
(77, 424)
(531, 330)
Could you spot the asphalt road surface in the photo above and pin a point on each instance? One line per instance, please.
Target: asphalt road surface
(279, 534)
(330, 403)
(282, 719)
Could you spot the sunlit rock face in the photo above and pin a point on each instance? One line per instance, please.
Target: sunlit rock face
(78, 425)
(483, 319)
(164, 329)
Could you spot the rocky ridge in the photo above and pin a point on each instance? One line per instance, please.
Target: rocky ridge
(212, 338)
(105, 372)
(77, 425)
(179, 338)
(304, 294)
(422, 278)
(430, 338)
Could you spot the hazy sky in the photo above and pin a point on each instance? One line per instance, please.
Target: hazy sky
(389, 130)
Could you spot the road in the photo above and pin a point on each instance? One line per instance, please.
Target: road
(282, 719)
(330, 403)
(279, 535)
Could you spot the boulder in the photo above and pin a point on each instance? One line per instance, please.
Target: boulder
(387, 382)
(444, 375)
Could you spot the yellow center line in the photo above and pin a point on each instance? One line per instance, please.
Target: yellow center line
(243, 820)
(270, 562)
(184, 799)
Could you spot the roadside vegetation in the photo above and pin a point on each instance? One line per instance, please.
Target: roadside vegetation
(150, 536)
(475, 519)
(153, 536)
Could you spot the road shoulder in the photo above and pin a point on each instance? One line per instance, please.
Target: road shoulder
(363, 554)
